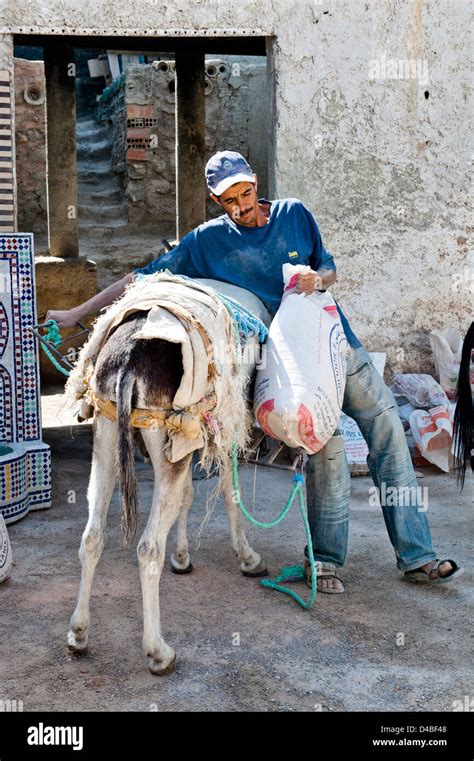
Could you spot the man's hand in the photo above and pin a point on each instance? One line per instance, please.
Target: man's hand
(66, 318)
(308, 282)
(311, 281)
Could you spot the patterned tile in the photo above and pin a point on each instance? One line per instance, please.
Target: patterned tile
(25, 472)
(7, 214)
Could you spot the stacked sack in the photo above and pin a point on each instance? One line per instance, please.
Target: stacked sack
(428, 414)
(299, 386)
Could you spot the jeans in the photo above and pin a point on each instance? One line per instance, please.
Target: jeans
(372, 405)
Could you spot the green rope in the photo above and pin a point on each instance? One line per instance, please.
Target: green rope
(53, 336)
(289, 573)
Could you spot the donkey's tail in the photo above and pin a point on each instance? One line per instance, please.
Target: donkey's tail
(129, 498)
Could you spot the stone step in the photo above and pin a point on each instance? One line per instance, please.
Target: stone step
(93, 150)
(107, 194)
(90, 129)
(92, 173)
(94, 136)
(100, 212)
(113, 227)
(86, 123)
(89, 183)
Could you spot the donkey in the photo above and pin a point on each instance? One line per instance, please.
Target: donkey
(146, 374)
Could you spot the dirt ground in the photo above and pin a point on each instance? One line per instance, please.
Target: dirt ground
(343, 655)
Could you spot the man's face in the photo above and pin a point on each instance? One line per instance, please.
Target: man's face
(240, 202)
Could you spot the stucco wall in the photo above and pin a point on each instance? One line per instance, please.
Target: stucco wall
(30, 126)
(384, 167)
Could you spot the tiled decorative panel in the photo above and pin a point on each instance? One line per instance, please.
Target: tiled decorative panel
(25, 478)
(7, 213)
(18, 348)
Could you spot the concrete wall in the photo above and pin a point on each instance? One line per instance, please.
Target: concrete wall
(383, 162)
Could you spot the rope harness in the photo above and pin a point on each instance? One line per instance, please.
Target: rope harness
(186, 421)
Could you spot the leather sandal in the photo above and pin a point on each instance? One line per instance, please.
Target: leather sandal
(325, 574)
(418, 574)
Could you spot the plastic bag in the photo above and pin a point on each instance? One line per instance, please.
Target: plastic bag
(300, 386)
(5, 551)
(446, 346)
(433, 433)
(419, 390)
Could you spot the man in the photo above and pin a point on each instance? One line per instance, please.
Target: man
(246, 246)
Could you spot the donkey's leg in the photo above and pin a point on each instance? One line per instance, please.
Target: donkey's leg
(251, 564)
(170, 479)
(99, 493)
(180, 559)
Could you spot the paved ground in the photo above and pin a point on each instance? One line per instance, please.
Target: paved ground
(342, 655)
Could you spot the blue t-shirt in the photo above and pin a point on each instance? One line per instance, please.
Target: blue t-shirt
(252, 257)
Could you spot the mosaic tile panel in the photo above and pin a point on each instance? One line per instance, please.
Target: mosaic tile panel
(19, 357)
(25, 470)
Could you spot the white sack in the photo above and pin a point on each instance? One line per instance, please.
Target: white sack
(300, 386)
(446, 346)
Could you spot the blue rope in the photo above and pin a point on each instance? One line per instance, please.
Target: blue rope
(245, 321)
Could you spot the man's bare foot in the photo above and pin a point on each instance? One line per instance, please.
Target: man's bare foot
(443, 570)
(327, 581)
(330, 583)
(435, 572)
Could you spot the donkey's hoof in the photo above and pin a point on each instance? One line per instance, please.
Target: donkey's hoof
(77, 644)
(259, 570)
(178, 566)
(163, 666)
(182, 570)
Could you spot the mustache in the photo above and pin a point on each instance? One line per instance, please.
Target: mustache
(236, 213)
